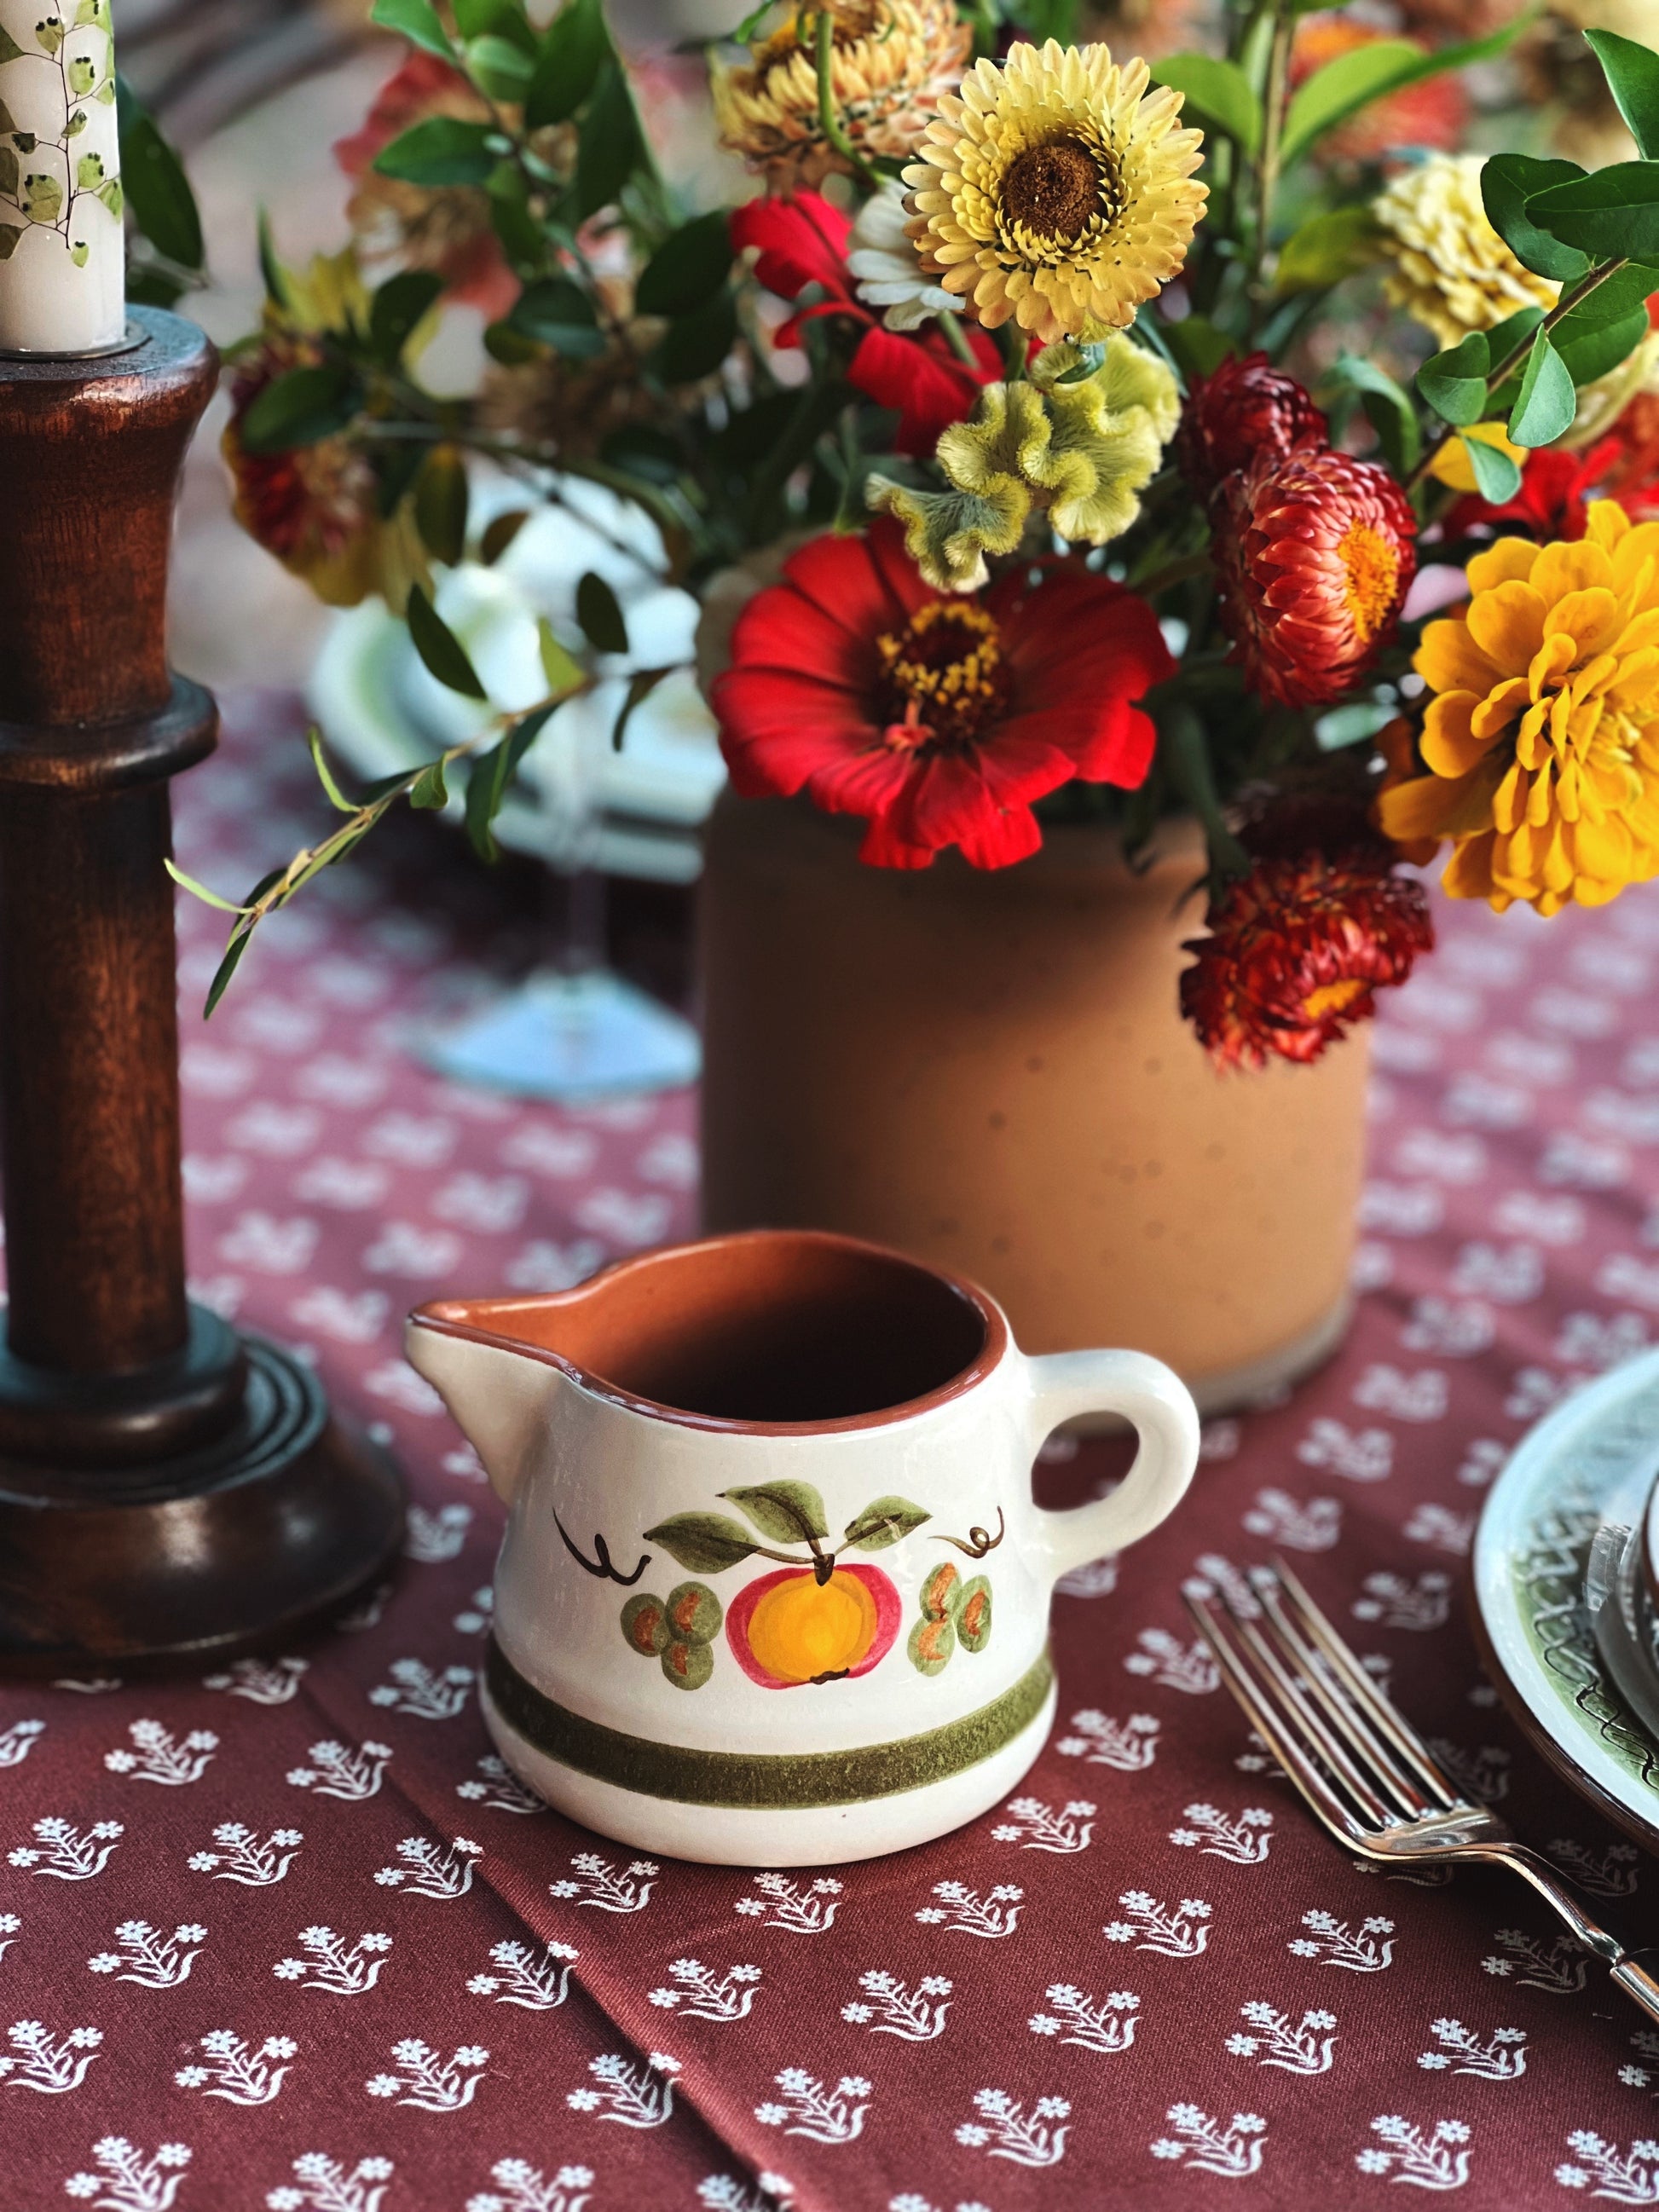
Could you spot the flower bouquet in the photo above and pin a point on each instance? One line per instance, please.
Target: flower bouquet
(1027, 434)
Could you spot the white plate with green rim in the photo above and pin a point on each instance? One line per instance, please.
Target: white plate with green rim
(1531, 1553)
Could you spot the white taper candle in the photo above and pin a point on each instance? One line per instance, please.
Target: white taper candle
(63, 257)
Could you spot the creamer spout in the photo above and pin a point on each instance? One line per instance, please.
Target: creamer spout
(499, 1394)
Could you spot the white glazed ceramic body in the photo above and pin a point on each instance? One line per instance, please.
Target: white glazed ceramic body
(576, 1462)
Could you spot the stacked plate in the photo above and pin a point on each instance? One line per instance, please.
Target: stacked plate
(1566, 1591)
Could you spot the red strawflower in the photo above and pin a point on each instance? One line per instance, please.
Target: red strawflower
(803, 241)
(938, 719)
(1315, 554)
(1246, 409)
(1296, 951)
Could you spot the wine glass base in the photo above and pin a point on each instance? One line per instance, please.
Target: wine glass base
(570, 1038)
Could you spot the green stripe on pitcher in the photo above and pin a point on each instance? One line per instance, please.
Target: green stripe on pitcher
(796, 1779)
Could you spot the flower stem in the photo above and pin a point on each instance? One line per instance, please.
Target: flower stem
(829, 121)
(1275, 99)
(957, 338)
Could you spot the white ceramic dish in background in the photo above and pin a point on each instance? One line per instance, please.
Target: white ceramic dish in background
(1531, 1555)
(380, 712)
(1620, 1612)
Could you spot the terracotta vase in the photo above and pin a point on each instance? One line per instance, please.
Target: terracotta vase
(990, 1072)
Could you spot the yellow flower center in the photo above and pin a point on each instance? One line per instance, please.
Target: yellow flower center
(1333, 998)
(943, 676)
(1057, 190)
(1371, 578)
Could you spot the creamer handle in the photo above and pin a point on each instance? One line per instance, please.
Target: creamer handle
(1151, 1397)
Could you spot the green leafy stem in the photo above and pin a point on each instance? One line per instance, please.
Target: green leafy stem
(39, 194)
(789, 1513)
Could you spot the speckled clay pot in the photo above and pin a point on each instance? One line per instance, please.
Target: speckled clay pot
(990, 1070)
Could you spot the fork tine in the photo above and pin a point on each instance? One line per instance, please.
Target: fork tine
(1355, 1727)
(1294, 1706)
(1270, 1725)
(1400, 1733)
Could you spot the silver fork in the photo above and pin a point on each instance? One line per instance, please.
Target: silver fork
(1364, 1771)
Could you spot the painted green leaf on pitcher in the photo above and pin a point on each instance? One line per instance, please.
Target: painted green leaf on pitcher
(883, 1522)
(787, 1512)
(705, 1542)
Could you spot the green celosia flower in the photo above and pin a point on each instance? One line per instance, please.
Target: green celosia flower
(1082, 445)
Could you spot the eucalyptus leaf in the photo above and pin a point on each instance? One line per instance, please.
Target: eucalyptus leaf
(300, 407)
(557, 312)
(442, 150)
(703, 1542)
(575, 48)
(163, 205)
(1369, 73)
(1508, 181)
(1497, 476)
(687, 268)
(611, 144)
(1454, 382)
(1325, 248)
(788, 1512)
(1387, 407)
(336, 798)
(397, 309)
(429, 790)
(1198, 346)
(440, 505)
(1215, 94)
(500, 69)
(1593, 353)
(641, 685)
(1548, 403)
(1612, 214)
(600, 615)
(696, 344)
(1633, 75)
(417, 20)
(489, 780)
(442, 652)
(563, 674)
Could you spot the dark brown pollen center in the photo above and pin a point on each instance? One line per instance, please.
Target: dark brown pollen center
(1055, 189)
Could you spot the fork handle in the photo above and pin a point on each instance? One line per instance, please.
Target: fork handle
(1636, 1972)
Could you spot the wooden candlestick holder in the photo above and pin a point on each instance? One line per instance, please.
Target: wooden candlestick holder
(168, 1487)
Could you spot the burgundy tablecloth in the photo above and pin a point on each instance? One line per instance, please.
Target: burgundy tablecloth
(287, 1936)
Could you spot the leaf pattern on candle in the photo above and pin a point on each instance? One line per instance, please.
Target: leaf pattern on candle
(45, 182)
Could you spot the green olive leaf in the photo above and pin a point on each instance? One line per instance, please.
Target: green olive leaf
(704, 1542)
(788, 1512)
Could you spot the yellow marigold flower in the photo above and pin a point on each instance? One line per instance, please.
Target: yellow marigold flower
(1057, 190)
(1451, 271)
(1542, 739)
(891, 62)
(1084, 450)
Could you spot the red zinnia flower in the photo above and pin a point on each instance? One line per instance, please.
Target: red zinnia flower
(1297, 950)
(939, 718)
(1245, 409)
(803, 241)
(1315, 554)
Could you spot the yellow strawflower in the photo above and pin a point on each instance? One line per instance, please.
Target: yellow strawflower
(1542, 738)
(1056, 190)
(891, 62)
(1451, 271)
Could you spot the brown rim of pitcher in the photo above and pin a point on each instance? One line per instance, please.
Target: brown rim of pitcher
(957, 1307)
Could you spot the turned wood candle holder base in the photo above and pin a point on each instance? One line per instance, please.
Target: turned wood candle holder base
(167, 1488)
(241, 1542)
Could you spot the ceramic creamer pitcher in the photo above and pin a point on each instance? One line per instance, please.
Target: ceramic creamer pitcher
(774, 1590)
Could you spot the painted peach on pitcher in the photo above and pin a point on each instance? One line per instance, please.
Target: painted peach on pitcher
(789, 1628)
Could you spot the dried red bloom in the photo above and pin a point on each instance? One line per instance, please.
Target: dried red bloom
(1246, 409)
(1314, 553)
(1296, 951)
(938, 718)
